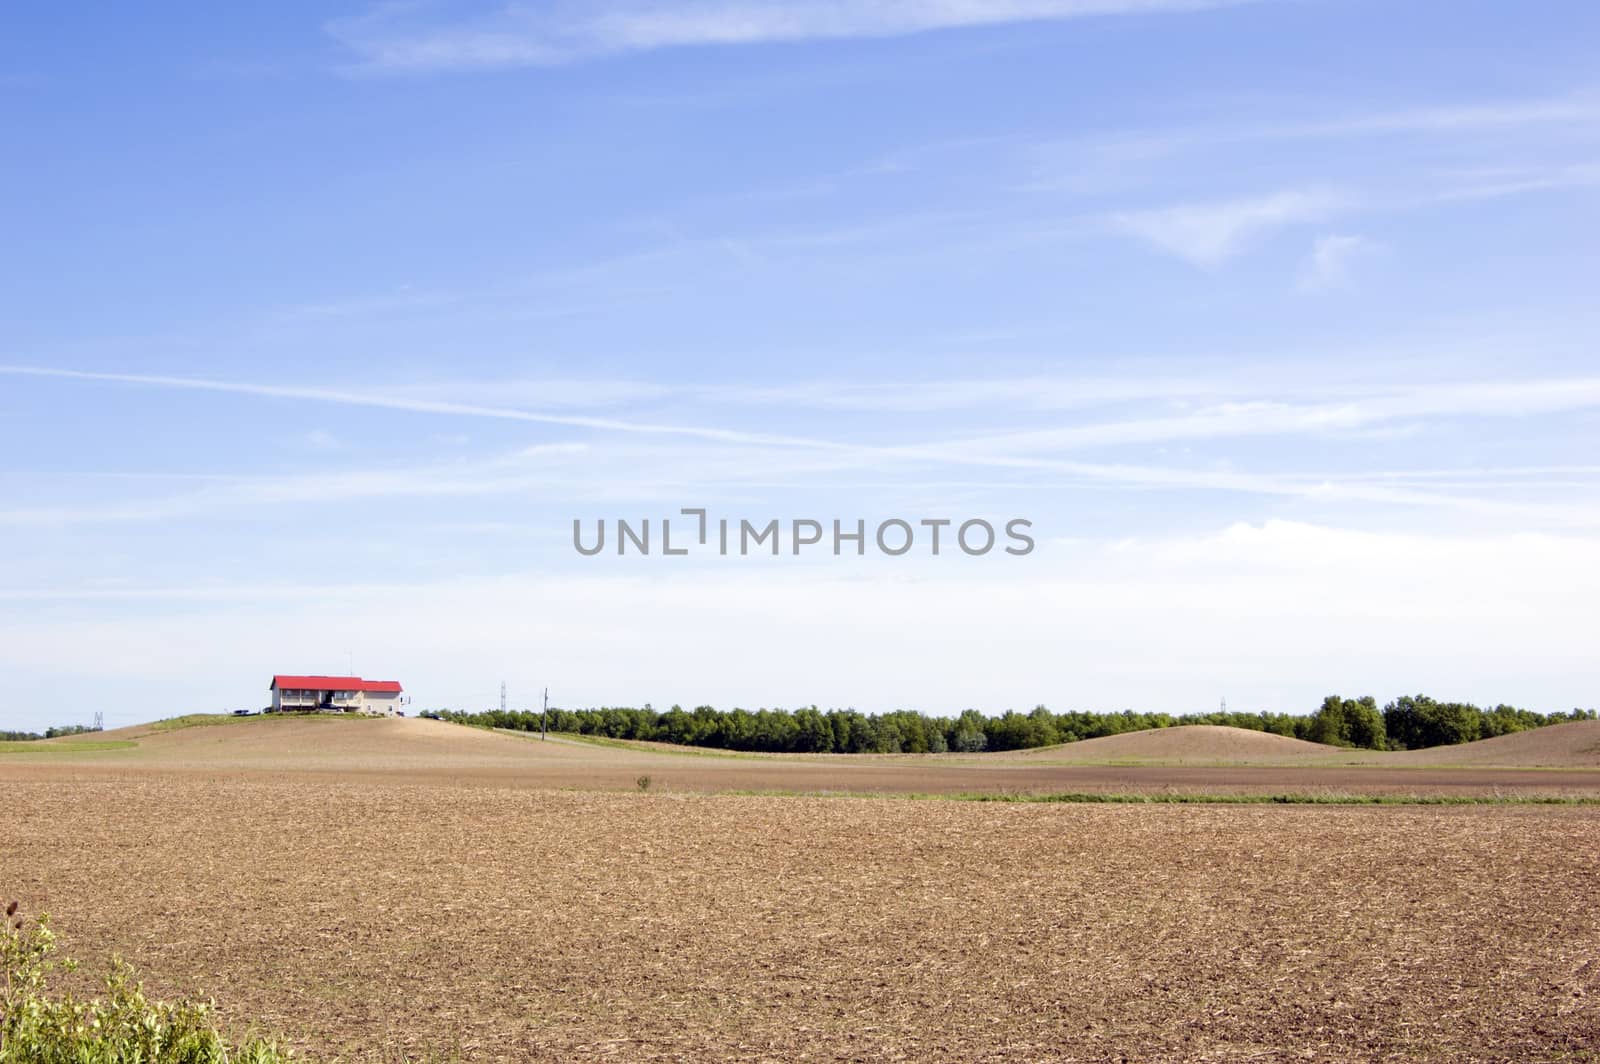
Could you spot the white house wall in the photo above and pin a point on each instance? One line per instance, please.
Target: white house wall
(380, 704)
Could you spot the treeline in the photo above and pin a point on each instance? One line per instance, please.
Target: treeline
(1411, 723)
(49, 733)
(1406, 723)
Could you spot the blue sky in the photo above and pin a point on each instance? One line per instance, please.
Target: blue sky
(323, 322)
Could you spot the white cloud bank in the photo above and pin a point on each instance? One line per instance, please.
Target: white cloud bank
(1272, 616)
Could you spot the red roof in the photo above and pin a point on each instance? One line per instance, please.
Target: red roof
(334, 683)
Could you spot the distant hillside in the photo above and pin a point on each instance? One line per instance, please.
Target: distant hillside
(1574, 745)
(1191, 759)
(1190, 743)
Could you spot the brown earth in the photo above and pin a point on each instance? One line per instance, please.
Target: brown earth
(1555, 761)
(1192, 742)
(1574, 745)
(369, 915)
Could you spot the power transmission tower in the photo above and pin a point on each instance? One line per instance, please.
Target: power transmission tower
(502, 696)
(544, 718)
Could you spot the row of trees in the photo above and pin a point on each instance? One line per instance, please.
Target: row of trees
(1415, 722)
(1412, 722)
(1406, 723)
(49, 733)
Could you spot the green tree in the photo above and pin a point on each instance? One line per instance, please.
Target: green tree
(1364, 723)
(968, 735)
(1328, 724)
(813, 732)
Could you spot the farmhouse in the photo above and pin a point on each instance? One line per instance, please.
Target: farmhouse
(334, 694)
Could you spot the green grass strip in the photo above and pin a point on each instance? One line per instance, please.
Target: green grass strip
(209, 720)
(1087, 798)
(640, 746)
(46, 747)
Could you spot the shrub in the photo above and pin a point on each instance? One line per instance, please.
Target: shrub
(38, 1027)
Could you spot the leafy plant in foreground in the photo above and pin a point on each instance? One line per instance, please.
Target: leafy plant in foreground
(123, 1027)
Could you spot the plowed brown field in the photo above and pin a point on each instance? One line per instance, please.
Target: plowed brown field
(376, 902)
(1187, 760)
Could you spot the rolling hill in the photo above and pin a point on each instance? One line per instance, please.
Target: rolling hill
(1191, 743)
(1563, 759)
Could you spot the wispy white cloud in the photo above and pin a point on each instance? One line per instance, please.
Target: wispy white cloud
(1208, 234)
(580, 476)
(414, 404)
(536, 393)
(321, 440)
(1577, 109)
(1314, 488)
(1193, 407)
(404, 299)
(1509, 398)
(1494, 184)
(406, 39)
(540, 466)
(1331, 259)
(709, 458)
(927, 396)
(1387, 159)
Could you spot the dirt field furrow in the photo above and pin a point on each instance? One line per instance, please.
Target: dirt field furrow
(363, 916)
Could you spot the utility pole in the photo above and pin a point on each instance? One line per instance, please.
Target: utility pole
(544, 718)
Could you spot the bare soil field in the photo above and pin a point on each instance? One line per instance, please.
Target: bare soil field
(1191, 743)
(361, 916)
(1574, 745)
(1190, 760)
